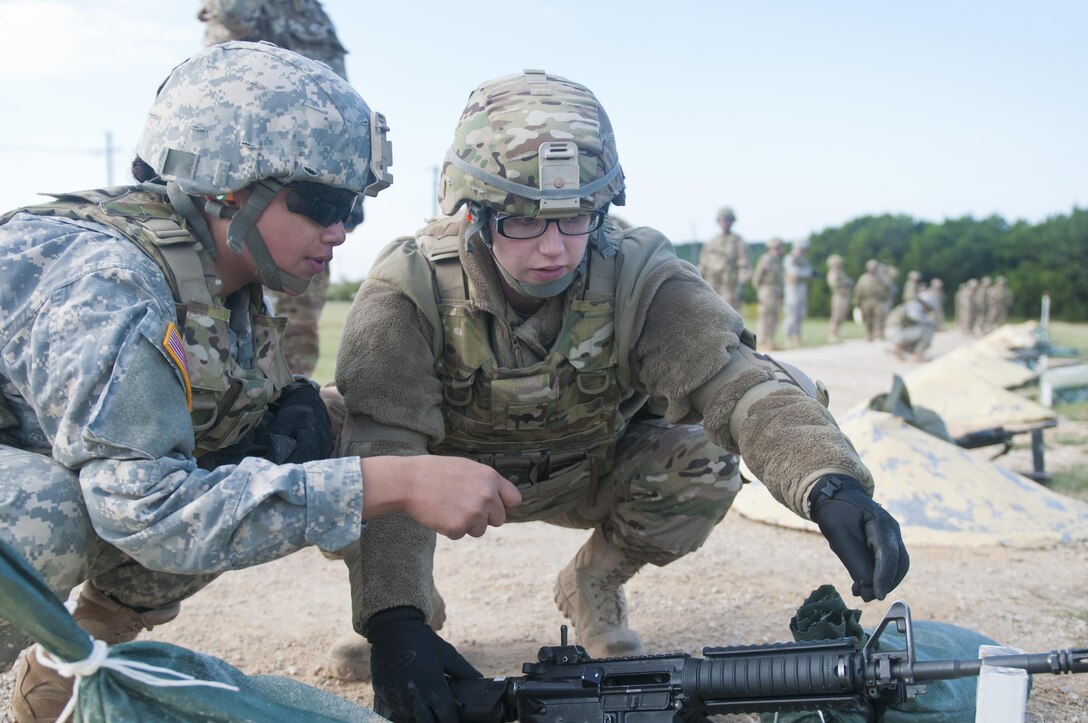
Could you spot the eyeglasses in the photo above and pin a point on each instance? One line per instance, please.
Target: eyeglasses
(324, 204)
(525, 227)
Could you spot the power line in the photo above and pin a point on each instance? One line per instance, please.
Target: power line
(109, 150)
(39, 149)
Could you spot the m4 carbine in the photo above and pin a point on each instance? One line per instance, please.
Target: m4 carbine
(567, 685)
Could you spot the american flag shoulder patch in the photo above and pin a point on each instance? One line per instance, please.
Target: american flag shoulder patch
(175, 348)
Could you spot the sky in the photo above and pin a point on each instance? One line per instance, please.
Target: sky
(798, 115)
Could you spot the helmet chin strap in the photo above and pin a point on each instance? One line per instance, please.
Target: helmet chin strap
(183, 204)
(242, 231)
(546, 290)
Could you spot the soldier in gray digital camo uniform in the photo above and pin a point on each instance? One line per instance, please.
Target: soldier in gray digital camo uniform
(910, 327)
(724, 261)
(933, 295)
(304, 27)
(146, 406)
(526, 330)
(798, 272)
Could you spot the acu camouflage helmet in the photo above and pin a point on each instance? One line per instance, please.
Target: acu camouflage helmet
(725, 213)
(532, 144)
(240, 112)
(254, 116)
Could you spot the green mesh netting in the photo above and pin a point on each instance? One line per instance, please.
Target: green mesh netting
(824, 616)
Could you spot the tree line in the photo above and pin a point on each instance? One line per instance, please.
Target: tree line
(1047, 257)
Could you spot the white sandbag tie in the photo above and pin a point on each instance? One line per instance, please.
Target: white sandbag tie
(152, 675)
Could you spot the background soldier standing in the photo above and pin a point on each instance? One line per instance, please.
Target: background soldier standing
(768, 278)
(724, 262)
(965, 306)
(979, 298)
(797, 271)
(304, 27)
(841, 285)
(933, 295)
(998, 303)
(872, 295)
(890, 276)
(910, 286)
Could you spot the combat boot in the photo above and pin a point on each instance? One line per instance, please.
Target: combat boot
(40, 693)
(349, 656)
(589, 592)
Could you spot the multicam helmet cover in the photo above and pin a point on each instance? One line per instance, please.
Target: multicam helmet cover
(240, 112)
(532, 144)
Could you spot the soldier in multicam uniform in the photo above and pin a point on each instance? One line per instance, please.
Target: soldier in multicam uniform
(910, 286)
(526, 330)
(304, 27)
(979, 309)
(724, 261)
(890, 275)
(797, 271)
(841, 286)
(872, 295)
(768, 279)
(139, 358)
(965, 306)
(998, 302)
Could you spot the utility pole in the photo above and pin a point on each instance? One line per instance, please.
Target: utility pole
(434, 195)
(109, 158)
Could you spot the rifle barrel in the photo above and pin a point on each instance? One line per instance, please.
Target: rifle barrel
(1056, 662)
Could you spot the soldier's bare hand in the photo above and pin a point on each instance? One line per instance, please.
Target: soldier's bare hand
(451, 495)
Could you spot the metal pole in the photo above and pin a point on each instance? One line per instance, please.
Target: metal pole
(434, 196)
(109, 158)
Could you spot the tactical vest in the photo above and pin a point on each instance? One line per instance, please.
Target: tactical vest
(562, 415)
(226, 400)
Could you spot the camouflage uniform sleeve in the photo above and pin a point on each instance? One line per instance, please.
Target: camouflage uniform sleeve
(90, 359)
(688, 354)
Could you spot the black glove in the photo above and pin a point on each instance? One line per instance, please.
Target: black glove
(295, 428)
(862, 533)
(409, 667)
(299, 415)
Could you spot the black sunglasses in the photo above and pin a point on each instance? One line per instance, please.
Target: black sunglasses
(324, 204)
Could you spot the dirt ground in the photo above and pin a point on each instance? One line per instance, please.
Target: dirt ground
(741, 588)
